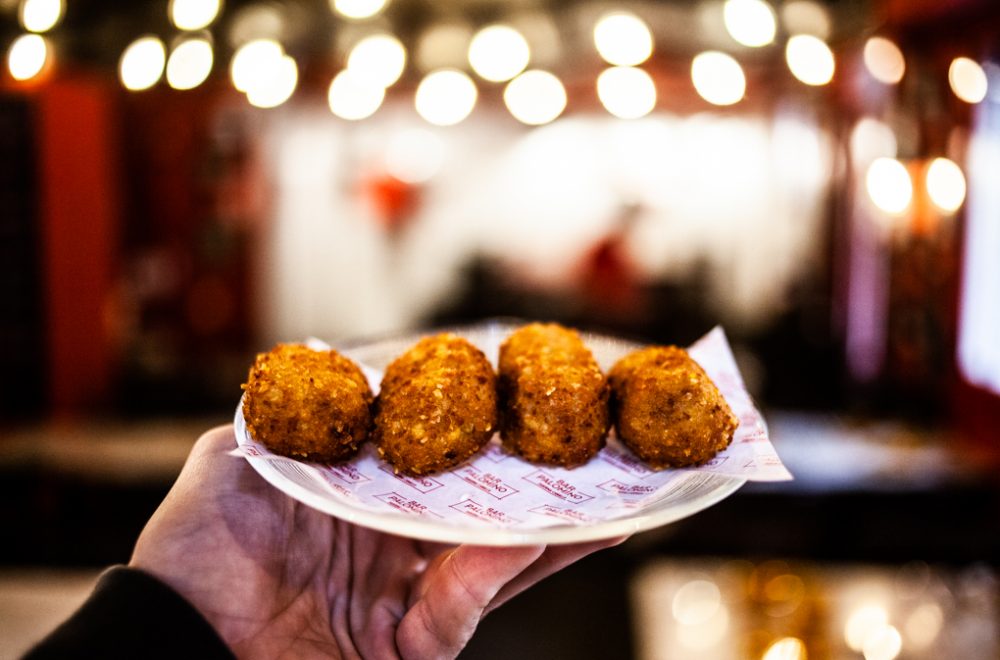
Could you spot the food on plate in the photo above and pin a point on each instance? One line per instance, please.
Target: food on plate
(553, 396)
(308, 404)
(437, 405)
(667, 410)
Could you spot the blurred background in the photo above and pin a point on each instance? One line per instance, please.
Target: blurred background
(184, 183)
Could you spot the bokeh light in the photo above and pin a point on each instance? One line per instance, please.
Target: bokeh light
(967, 79)
(871, 139)
(923, 626)
(142, 63)
(884, 60)
(626, 92)
(786, 648)
(27, 56)
(535, 97)
(695, 602)
(945, 184)
(41, 15)
(352, 96)
(251, 58)
(810, 59)
(806, 17)
(193, 14)
(189, 63)
(866, 619)
(358, 9)
(498, 53)
(623, 39)
(446, 97)
(750, 22)
(718, 78)
(890, 189)
(379, 59)
(274, 84)
(882, 643)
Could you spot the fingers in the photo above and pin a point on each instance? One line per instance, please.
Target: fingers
(456, 592)
(554, 559)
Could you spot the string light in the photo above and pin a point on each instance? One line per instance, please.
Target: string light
(358, 9)
(141, 65)
(27, 56)
(535, 97)
(353, 97)
(275, 84)
(251, 58)
(193, 14)
(498, 53)
(810, 59)
(884, 60)
(967, 80)
(750, 22)
(189, 64)
(445, 97)
(890, 188)
(945, 184)
(623, 39)
(626, 92)
(379, 59)
(41, 15)
(718, 78)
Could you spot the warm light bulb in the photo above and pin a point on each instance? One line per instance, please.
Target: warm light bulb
(275, 84)
(535, 97)
(358, 8)
(378, 59)
(945, 184)
(750, 22)
(623, 39)
(445, 97)
(810, 59)
(193, 14)
(891, 190)
(189, 64)
(41, 15)
(142, 63)
(354, 97)
(967, 80)
(786, 648)
(626, 92)
(251, 58)
(27, 56)
(498, 53)
(718, 78)
(884, 60)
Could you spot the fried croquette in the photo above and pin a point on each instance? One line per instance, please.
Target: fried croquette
(437, 405)
(667, 410)
(553, 396)
(307, 404)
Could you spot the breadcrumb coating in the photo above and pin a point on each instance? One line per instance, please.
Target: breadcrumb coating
(554, 397)
(437, 405)
(307, 404)
(667, 410)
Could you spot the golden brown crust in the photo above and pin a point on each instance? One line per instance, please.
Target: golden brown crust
(437, 405)
(554, 398)
(313, 405)
(667, 410)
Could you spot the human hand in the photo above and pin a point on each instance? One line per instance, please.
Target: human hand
(276, 578)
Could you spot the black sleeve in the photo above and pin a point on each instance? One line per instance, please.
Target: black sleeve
(131, 614)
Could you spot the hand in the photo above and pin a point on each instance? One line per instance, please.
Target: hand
(279, 579)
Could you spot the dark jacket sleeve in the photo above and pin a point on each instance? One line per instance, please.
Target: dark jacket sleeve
(131, 614)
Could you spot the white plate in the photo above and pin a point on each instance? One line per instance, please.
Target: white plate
(498, 499)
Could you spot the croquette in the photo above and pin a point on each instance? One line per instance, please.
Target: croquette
(437, 406)
(307, 404)
(553, 396)
(667, 410)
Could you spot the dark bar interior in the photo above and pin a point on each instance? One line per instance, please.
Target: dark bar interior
(821, 178)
